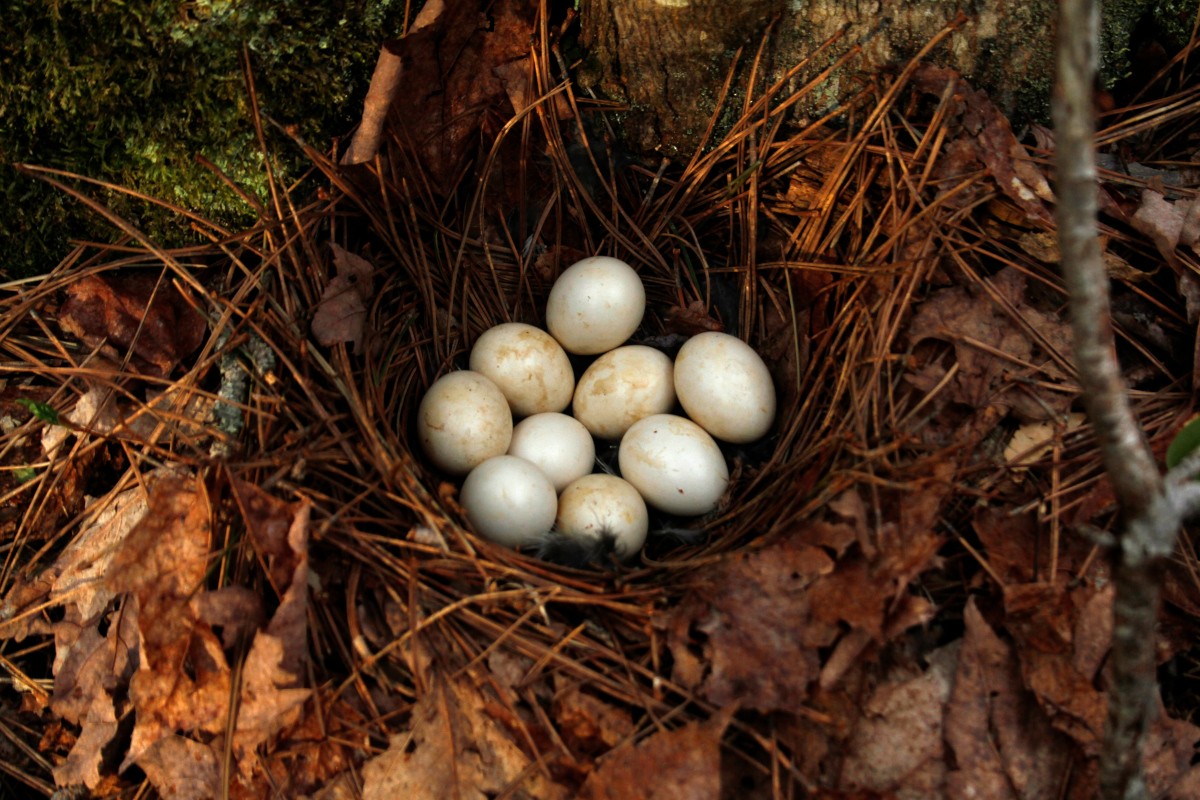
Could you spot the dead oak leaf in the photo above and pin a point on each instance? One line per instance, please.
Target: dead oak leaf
(342, 312)
(160, 566)
(88, 688)
(450, 85)
(897, 745)
(683, 764)
(273, 673)
(1169, 224)
(310, 754)
(979, 326)
(1003, 744)
(141, 313)
(453, 748)
(182, 769)
(754, 613)
(589, 725)
(986, 134)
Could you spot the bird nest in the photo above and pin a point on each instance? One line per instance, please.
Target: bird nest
(890, 262)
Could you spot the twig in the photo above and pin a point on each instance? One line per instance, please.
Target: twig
(1149, 517)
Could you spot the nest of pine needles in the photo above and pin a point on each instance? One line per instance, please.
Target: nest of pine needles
(815, 239)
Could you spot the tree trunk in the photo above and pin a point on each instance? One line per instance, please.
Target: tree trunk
(667, 59)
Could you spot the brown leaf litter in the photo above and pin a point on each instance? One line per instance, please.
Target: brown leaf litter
(451, 86)
(752, 628)
(453, 748)
(143, 315)
(139, 570)
(342, 310)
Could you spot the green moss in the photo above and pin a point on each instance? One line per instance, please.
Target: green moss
(1175, 18)
(131, 92)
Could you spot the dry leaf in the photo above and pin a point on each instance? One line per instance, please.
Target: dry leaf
(342, 312)
(89, 685)
(589, 726)
(692, 319)
(453, 749)
(1169, 224)
(1041, 617)
(1033, 440)
(1002, 743)
(515, 77)
(385, 81)
(987, 136)
(161, 565)
(978, 326)
(751, 629)
(273, 673)
(755, 615)
(897, 745)
(137, 311)
(450, 87)
(683, 764)
(182, 769)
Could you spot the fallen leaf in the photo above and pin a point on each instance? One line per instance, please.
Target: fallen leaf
(89, 681)
(161, 565)
(236, 610)
(77, 574)
(137, 312)
(1002, 743)
(342, 311)
(589, 726)
(1040, 617)
(450, 86)
(682, 764)
(274, 669)
(310, 753)
(385, 81)
(1168, 223)
(979, 327)
(751, 629)
(691, 319)
(754, 613)
(897, 745)
(515, 77)
(1033, 440)
(985, 133)
(453, 749)
(182, 768)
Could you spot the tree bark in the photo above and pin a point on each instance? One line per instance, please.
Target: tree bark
(666, 59)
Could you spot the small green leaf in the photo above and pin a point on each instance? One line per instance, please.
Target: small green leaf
(1187, 440)
(25, 474)
(42, 411)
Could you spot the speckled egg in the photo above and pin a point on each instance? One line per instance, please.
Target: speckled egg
(462, 421)
(595, 305)
(674, 463)
(621, 387)
(528, 366)
(725, 387)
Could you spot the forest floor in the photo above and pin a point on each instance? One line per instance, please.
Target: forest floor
(230, 570)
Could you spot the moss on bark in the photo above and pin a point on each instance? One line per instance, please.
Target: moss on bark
(130, 93)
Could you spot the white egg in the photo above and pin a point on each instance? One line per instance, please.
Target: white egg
(557, 444)
(528, 365)
(509, 501)
(604, 507)
(621, 387)
(595, 305)
(462, 421)
(725, 387)
(674, 463)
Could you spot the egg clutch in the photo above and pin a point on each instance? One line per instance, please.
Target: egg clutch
(533, 484)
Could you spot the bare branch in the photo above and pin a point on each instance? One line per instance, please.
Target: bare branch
(1127, 457)
(1150, 517)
